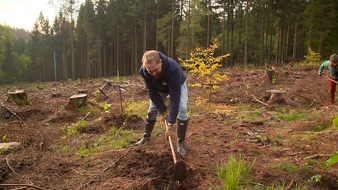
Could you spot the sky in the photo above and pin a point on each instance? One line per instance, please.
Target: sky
(24, 13)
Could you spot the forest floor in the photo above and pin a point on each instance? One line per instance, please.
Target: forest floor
(79, 149)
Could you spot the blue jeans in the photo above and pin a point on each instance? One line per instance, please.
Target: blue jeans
(182, 110)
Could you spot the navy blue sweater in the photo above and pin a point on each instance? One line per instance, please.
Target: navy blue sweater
(172, 77)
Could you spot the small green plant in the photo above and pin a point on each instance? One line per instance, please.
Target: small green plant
(106, 107)
(234, 173)
(4, 138)
(310, 162)
(315, 179)
(333, 159)
(86, 152)
(292, 116)
(335, 122)
(73, 128)
(317, 128)
(307, 169)
(288, 167)
(274, 79)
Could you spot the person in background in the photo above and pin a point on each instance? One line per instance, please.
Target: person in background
(163, 77)
(332, 65)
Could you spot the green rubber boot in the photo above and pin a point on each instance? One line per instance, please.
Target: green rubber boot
(148, 128)
(181, 130)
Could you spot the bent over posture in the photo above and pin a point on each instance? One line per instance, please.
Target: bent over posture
(163, 77)
(332, 65)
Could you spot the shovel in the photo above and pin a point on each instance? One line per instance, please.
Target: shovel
(180, 168)
(328, 78)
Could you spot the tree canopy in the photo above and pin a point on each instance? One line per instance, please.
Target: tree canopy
(99, 38)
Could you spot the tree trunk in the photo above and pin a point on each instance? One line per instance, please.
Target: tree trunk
(310, 26)
(246, 34)
(294, 54)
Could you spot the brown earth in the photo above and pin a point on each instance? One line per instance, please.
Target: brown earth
(235, 124)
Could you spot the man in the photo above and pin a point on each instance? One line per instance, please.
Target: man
(162, 77)
(332, 65)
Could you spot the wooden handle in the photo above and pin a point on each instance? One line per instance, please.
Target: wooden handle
(331, 79)
(172, 149)
(171, 144)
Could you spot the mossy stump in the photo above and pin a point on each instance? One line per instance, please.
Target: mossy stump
(19, 97)
(77, 101)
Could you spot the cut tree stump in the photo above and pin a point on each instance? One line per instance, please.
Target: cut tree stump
(82, 91)
(108, 85)
(19, 97)
(56, 94)
(270, 74)
(279, 96)
(77, 101)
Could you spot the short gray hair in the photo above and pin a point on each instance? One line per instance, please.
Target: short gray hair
(334, 58)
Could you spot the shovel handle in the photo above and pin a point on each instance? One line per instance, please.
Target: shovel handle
(331, 79)
(172, 149)
(171, 144)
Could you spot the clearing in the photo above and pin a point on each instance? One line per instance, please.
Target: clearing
(63, 148)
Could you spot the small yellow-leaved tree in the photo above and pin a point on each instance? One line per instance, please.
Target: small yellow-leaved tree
(203, 64)
(313, 58)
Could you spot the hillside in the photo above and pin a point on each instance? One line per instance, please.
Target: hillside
(286, 144)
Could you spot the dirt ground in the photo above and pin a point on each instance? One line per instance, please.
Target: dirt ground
(213, 135)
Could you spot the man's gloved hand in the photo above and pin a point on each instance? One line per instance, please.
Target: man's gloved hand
(169, 131)
(164, 116)
(320, 74)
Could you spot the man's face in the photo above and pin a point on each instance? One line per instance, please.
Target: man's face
(334, 64)
(154, 69)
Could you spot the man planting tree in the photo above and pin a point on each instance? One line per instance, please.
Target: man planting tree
(163, 77)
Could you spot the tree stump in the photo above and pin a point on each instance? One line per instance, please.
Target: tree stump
(270, 74)
(279, 96)
(82, 91)
(77, 101)
(19, 97)
(56, 94)
(108, 85)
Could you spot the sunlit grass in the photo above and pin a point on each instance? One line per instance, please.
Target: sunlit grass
(234, 173)
(298, 115)
(139, 108)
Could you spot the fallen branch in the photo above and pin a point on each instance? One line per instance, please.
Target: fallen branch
(83, 118)
(17, 185)
(317, 156)
(112, 164)
(311, 104)
(291, 185)
(11, 167)
(261, 102)
(12, 112)
(308, 100)
(103, 92)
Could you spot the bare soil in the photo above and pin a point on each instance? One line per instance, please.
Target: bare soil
(237, 125)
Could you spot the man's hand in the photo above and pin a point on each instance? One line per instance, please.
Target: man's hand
(320, 74)
(164, 116)
(169, 131)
